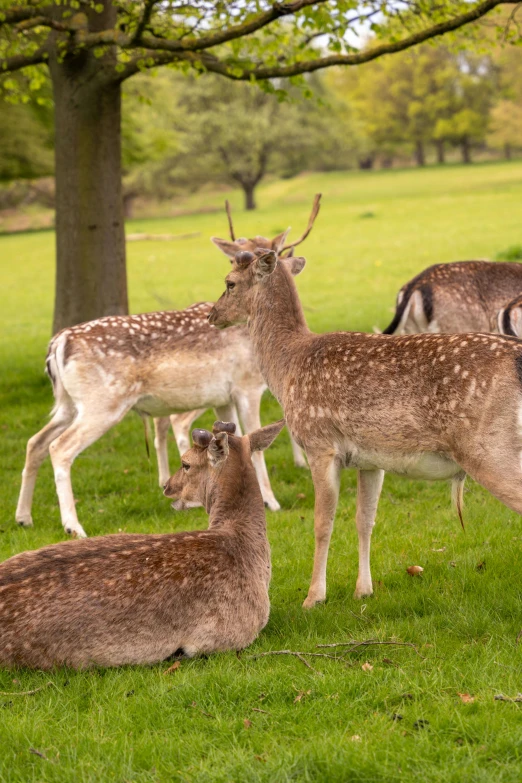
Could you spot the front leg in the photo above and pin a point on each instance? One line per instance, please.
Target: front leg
(369, 485)
(325, 475)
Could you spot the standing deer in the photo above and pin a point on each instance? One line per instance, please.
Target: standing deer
(138, 599)
(155, 364)
(427, 406)
(464, 296)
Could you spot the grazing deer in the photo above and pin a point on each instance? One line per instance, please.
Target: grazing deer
(464, 296)
(510, 318)
(428, 406)
(138, 599)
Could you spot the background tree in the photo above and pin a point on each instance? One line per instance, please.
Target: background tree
(237, 133)
(89, 48)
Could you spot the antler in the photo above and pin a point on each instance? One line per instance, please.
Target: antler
(223, 426)
(315, 211)
(229, 216)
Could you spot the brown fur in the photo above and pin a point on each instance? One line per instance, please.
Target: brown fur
(128, 599)
(427, 405)
(464, 296)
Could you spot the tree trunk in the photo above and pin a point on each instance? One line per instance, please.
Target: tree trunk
(367, 162)
(507, 151)
(91, 278)
(439, 146)
(250, 202)
(466, 150)
(419, 154)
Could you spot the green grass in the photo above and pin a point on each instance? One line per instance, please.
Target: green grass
(138, 724)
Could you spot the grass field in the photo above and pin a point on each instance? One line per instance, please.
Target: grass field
(238, 718)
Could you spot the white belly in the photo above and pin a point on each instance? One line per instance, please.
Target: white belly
(428, 465)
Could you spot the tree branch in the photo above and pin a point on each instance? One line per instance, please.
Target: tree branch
(354, 58)
(19, 14)
(144, 21)
(10, 64)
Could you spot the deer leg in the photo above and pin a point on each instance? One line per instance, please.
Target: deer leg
(248, 405)
(181, 424)
(369, 485)
(87, 428)
(325, 475)
(161, 429)
(37, 451)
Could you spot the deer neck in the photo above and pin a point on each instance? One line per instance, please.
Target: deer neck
(276, 324)
(235, 500)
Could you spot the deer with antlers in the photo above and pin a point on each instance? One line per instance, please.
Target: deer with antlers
(427, 406)
(155, 364)
(139, 599)
(463, 296)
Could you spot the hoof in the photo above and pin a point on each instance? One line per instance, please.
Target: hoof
(272, 505)
(25, 521)
(359, 594)
(310, 602)
(76, 532)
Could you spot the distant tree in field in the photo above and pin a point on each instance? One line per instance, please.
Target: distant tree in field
(88, 48)
(505, 127)
(237, 133)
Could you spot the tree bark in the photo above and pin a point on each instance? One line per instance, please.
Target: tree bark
(91, 278)
(439, 146)
(466, 150)
(250, 202)
(507, 151)
(419, 154)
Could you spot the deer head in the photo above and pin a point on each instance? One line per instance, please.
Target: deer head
(249, 271)
(201, 474)
(277, 244)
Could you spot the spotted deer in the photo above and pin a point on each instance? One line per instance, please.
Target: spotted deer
(427, 406)
(139, 599)
(509, 319)
(464, 296)
(153, 363)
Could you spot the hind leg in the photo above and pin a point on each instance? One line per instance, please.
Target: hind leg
(181, 424)
(87, 428)
(501, 477)
(37, 451)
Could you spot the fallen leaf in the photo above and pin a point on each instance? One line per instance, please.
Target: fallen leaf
(453, 564)
(260, 758)
(355, 738)
(443, 549)
(388, 661)
(126, 470)
(466, 698)
(481, 566)
(301, 495)
(38, 753)
(172, 668)
(301, 695)
(247, 723)
(414, 570)
(367, 667)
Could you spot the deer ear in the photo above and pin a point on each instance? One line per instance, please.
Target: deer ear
(265, 264)
(261, 439)
(295, 264)
(218, 449)
(228, 248)
(278, 241)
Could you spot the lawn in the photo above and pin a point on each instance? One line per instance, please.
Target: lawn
(425, 712)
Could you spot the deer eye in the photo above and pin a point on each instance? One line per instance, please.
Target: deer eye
(230, 285)
(185, 465)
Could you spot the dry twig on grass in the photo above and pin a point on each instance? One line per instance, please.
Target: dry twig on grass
(353, 644)
(27, 693)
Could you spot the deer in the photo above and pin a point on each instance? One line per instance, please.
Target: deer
(140, 599)
(426, 406)
(155, 364)
(509, 319)
(462, 296)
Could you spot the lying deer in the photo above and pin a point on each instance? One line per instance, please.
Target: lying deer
(139, 599)
(155, 364)
(464, 296)
(427, 406)
(509, 319)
